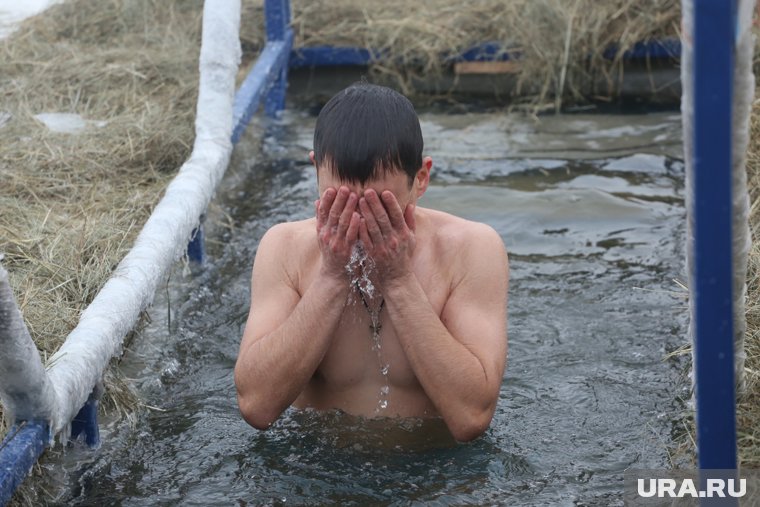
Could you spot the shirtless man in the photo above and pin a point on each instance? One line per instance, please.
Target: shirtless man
(436, 285)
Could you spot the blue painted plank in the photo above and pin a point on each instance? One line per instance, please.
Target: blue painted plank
(275, 98)
(18, 453)
(322, 56)
(486, 52)
(714, 354)
(667, 49)
(271, 60)
(319, 56)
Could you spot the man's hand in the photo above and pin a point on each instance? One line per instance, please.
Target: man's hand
(337, 228)
(387, 233)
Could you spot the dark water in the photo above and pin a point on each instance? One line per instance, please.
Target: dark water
(591, 211)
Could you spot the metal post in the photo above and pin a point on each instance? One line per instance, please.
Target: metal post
(714, 24)
(86, 421)
(196, 248)
(277, 14)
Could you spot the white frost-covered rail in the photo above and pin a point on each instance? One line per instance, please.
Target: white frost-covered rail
(44, 402)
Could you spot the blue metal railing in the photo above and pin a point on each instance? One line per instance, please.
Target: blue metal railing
(714, 25)
(18, 453)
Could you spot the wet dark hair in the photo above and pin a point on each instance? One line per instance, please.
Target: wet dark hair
(366, 131)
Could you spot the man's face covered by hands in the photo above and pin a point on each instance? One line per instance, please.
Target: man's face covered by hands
(396, 181)
(379, 212)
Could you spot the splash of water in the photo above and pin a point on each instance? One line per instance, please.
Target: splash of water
(360, 268)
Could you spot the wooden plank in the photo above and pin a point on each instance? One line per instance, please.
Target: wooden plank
(508, 67)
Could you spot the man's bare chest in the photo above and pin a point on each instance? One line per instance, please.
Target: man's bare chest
(367, 346)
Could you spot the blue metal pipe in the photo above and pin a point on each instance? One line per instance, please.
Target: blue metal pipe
(714, 23)
(278, 29)
(667, 49)
(277, 19)
(196, 248)
(19, 452)
(266, 70)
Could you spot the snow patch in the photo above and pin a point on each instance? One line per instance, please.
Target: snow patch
(67, 123)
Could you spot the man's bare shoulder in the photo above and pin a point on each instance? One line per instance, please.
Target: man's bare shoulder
(457, 234)
(289, 240)
(289, 231)
(286, 248)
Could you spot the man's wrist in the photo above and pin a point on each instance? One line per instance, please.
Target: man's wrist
(331, 283)
(400, 283)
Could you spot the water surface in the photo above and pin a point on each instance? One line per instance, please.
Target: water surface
(591, 210)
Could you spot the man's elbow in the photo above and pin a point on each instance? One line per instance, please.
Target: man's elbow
(255, 414)
(471, 425)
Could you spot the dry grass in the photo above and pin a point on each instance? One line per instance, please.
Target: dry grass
(748, 412)
(561, 41)
(72, 204)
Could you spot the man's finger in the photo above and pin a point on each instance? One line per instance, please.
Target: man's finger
(353, 228)
(380, 216)
(369, 218)
(347, 215)
(409, 217)
(337, 207)
(394, 209)
(364, 236)
(324, 205)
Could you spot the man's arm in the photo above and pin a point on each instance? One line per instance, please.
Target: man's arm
(286, 335)
(458, 358)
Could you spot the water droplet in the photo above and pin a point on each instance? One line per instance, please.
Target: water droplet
(385, 390)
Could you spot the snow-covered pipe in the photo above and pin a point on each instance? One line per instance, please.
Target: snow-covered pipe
(744, 93)
(80, 362)
(25, 390)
